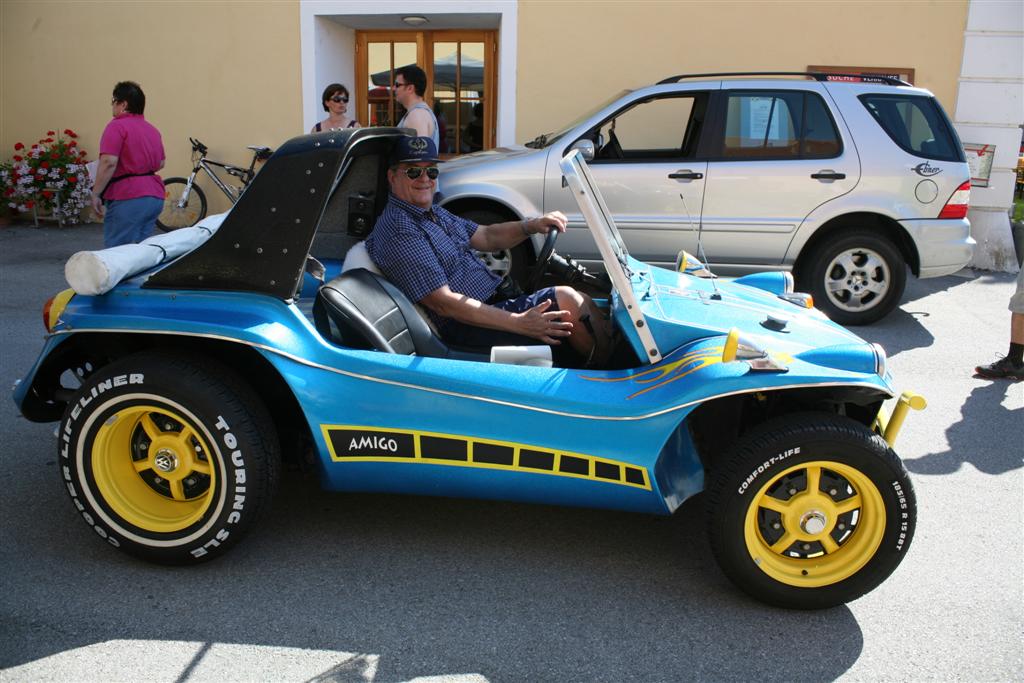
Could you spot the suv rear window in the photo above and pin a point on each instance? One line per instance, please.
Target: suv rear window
(917, 124)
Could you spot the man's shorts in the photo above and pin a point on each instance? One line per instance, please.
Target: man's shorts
(460, 334)
(1017, 300)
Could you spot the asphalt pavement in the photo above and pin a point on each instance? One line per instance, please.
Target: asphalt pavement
(374, 588)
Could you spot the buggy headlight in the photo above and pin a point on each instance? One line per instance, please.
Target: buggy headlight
(743, 348)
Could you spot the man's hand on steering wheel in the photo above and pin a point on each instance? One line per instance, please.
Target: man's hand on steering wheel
(550, 224)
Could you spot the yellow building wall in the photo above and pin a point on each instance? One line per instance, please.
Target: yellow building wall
(573, 55)
(227, 73)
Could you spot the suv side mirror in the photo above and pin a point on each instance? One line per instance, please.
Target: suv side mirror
(586, 148)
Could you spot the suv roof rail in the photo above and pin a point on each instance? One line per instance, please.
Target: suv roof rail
(816, 75)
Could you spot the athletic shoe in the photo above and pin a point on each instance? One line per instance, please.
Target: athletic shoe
(1004, 368)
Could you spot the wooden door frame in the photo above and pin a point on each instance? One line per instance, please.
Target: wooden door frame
(425, 55)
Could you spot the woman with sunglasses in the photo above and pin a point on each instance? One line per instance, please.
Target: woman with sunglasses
(335, 102)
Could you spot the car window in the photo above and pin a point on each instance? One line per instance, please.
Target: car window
(656, 128)
(917, 124)
(786, 124)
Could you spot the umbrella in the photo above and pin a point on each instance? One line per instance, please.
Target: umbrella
(444, 74)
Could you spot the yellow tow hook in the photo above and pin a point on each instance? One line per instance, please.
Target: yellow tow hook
(889, 425)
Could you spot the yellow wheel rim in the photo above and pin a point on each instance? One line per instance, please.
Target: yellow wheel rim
(815, 524)
(153, 469)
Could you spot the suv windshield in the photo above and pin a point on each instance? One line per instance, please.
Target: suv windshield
(545, 139)
(917, 124)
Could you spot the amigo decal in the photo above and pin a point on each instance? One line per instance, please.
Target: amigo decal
(349, 443)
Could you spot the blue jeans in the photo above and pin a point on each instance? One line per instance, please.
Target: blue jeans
(130, 220)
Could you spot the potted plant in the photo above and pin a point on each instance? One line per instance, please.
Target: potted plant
(50, 177)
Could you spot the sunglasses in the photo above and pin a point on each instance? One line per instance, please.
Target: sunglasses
(339, 98)
(401, 85)
(414, 172)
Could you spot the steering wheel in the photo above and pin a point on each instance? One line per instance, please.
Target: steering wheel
(542, 260)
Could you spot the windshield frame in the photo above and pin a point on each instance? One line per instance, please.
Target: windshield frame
(552, 138)
(609, 242)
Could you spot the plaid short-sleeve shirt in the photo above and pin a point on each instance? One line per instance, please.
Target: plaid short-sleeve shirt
(422, 250)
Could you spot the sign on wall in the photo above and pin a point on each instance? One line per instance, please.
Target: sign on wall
(863, 74)
(979, 159)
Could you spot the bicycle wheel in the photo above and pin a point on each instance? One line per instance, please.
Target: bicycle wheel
(181, 210)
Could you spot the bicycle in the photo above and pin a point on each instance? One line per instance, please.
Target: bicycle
(187, 206)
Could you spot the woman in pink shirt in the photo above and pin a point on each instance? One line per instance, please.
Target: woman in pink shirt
(127, 192)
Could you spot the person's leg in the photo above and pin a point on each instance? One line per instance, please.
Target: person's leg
(128, 221)
(1012, 365)
(117, 226)
(149, 209)
(591, 331)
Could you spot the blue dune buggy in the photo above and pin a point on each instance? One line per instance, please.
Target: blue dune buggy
(180, 390)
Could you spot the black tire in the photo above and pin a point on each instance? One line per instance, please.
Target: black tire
(856, 279)
(810, 549)
(515, 261)
(168, 459)
(172, 217)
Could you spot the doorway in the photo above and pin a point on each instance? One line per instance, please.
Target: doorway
(461, 82)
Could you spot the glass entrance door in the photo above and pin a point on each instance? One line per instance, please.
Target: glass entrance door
(461, 75)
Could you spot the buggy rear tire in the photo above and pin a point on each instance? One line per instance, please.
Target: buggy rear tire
(172, 216)
(810, 511)
(168, 459)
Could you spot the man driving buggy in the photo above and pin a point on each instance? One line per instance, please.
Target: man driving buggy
(427, 252)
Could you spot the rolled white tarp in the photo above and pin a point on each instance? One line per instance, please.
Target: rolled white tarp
(97, 272)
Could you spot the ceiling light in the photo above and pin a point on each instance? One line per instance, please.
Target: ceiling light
(415, 20)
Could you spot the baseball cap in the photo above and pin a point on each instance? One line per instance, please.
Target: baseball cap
(413, 149)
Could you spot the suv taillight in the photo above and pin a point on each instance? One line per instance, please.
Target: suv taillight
(958, 203)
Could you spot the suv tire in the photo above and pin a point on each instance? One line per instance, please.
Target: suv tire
(514, 262)
(856, 279)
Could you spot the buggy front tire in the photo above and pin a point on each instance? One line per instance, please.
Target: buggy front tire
(810, 511)
(192, 210)
(168, 459)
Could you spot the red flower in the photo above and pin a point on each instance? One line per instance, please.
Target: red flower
(47, 194)
(47, 140)
(55, 155)
(9, 191)
(45, 164)
(19, 146)
(73, 143)
(70, 133)
(29, 204)
(50, 132)
(18, 157)
(72, 179)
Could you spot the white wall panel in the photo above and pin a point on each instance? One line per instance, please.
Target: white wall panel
(993, 56)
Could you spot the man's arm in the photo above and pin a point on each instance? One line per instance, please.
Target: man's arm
(537, 322)
(104, 171)
(507, 235)
(419, 120)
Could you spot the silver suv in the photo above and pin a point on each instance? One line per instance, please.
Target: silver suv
(845, 183)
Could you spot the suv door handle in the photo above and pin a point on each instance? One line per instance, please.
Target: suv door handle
(685, 174)
(828, 175)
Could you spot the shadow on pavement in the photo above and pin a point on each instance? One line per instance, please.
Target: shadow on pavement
(972, 439)
(429, 587)
(899, 331)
